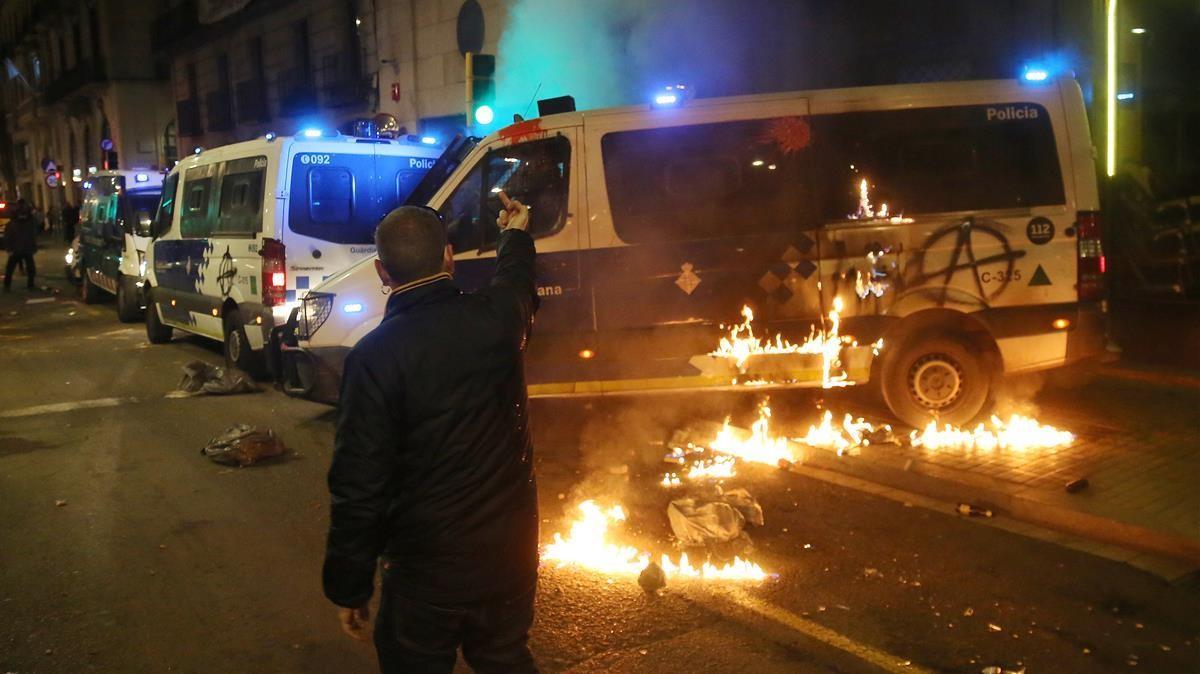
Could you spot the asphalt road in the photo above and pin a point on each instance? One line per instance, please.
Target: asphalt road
(160, 560)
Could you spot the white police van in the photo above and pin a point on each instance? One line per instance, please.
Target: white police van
(243, 231)
(114, 229)
(958, 222)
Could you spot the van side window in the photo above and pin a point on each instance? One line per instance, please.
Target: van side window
(330, 195)
(707, 181)
(240, 212)
(166, 207)
(406, 182)
(194, 221)
(937, 160)
(537, 173)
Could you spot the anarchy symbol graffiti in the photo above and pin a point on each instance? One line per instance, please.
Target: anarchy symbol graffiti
(226, 273)
(967, 237)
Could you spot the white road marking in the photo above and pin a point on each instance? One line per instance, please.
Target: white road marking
(39, 300)
(56, 408)
(881, 659)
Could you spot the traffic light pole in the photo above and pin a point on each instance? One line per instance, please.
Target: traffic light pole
(470, 73)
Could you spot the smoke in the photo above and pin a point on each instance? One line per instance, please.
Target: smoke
(616, 52)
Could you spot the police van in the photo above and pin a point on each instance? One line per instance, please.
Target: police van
(244, 231)
(954, 227)
(114, 229)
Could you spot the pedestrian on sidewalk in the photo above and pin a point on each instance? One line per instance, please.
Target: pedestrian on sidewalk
(20, 240)
(432, 473)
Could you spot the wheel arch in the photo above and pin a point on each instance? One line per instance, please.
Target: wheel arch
(940, 322)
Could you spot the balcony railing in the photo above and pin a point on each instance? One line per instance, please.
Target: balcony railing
(219, 105)
(252, 102)
(297, 95)
(187, 113)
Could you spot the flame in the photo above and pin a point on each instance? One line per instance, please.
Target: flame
(760, 447)
(1018, 433)
(851, 434)
(670, 480)
(867, 212)
(588, 546)
(718, 468)
(741, 343)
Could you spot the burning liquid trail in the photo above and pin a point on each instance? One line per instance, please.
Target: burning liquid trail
(849, 435)
(1017, 433)
(588, 546)
(760, 447)
(741, 343)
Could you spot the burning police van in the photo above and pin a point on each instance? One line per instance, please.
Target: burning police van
(244, 230)
(925, 238)
(114, 230)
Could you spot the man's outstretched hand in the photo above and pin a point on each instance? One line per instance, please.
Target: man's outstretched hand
(515, 214)
(356, 622)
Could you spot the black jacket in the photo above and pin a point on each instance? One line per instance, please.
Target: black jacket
(20, 236)
(433, 463)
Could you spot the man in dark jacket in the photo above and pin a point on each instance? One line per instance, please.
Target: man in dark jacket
(20, 240)
(432, 470)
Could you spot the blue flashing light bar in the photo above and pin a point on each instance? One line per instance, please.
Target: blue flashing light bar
(429, 140)
(352, 308)
(1035, 74)
(666, 99)
(141, 178)
(311, 133)
(1125, 96)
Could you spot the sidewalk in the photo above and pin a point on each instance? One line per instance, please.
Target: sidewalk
(1138, 447)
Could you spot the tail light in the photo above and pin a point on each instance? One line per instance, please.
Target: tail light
(1091, 267)
(274, 272)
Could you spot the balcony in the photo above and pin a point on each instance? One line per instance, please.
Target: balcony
(219, 106)
(252, 102)
(342, 81)
(69, 82)
(187, 113)
(297, 95)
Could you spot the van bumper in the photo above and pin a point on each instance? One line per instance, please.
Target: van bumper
(310, 373)
(1088, 338)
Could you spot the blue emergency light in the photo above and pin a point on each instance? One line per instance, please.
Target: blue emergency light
(429, 140)
(311, 133)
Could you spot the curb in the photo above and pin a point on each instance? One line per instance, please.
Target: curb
(1149, 377)
(959, 487)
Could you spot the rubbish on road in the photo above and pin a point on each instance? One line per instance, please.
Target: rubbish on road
(872, 572)
(993, 627)
(972, 511)
(1076, 486)
(243, 445)
(652, 578)
(58, 503)
(714, 522)
(997, 669)
(200, 378)
(968, 612)
(746, 504)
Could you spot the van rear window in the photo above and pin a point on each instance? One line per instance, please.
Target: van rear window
(342, 197)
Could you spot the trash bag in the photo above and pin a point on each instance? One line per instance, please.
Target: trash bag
(745, 504)
(200, 378)
(715, 522)
(243, 445)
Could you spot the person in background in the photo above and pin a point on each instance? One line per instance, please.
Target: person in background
(432, 470)
(20, 240)
(70, 217)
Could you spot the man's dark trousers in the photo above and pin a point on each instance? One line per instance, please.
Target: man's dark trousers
(413, 636)
(13, 259)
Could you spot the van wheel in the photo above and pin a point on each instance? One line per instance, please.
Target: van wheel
(237, 347)
(156, 332)
(938, 378)
(128, 309)
(88, 291)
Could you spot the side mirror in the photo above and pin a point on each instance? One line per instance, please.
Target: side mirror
(145, 224)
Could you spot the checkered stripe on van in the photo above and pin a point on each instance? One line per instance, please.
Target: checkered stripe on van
(786, 282)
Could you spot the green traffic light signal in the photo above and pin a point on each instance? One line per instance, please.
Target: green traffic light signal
(481, 88)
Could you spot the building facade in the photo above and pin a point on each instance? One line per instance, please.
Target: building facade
(81, 90)
(241, 68)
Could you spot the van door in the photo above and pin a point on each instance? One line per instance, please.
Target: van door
(542, 171)
(102, 238)
(699, 216)
(976, 219)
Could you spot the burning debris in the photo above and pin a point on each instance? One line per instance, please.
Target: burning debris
(848, 437)
(867, 212)
(1017, 433)
(760, 447)
(588, 546)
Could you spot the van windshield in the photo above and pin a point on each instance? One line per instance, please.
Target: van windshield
(536, 173)
(341, 198)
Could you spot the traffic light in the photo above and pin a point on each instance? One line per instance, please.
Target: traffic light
(481, 89)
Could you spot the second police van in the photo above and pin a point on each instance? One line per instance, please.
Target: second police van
(245, 230)
(115, 215)
(956, 222)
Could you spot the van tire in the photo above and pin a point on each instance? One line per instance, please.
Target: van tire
(938, 378)
(128, 309)
(237, 347)
(156, 332)
(89, 292)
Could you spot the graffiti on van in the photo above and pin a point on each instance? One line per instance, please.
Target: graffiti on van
(226, 273)
(969, 235)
